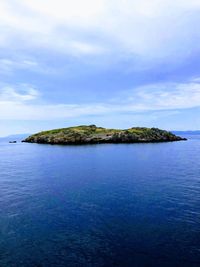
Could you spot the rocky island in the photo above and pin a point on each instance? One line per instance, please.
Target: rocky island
(95, 135)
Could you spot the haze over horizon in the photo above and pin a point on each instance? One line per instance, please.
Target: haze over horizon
(115, 64)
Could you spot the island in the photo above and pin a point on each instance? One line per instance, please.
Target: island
(97, 135)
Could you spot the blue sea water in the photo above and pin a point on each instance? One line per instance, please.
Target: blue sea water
(100, 205)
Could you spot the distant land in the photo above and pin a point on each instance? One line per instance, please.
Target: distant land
(14, 137)
(94, 135)
(189, 132)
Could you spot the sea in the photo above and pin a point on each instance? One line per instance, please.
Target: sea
(107, 205)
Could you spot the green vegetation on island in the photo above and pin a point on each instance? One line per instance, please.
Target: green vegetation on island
(94, 135)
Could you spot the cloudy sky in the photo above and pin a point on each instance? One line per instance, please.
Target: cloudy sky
(115, 63)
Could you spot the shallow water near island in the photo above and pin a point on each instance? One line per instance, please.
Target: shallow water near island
(100, 205)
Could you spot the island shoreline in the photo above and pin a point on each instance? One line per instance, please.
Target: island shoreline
(89, 135)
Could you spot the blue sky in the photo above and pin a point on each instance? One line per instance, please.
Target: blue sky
(119, 63)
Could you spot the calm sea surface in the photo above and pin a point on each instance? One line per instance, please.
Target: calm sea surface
(100, 205)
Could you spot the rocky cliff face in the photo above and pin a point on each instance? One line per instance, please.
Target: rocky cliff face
(94, 135)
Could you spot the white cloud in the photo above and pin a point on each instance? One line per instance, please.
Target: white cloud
(151, 29)
(10, 95)
(67, 10)
(9, 65)
(15, 105)
(166, 96)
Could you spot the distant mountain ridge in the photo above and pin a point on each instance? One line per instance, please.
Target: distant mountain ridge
(14, 137)
(189, 132)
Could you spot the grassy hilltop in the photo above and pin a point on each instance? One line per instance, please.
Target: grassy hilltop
(92, 135)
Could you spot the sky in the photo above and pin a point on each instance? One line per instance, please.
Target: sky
(113, 63)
